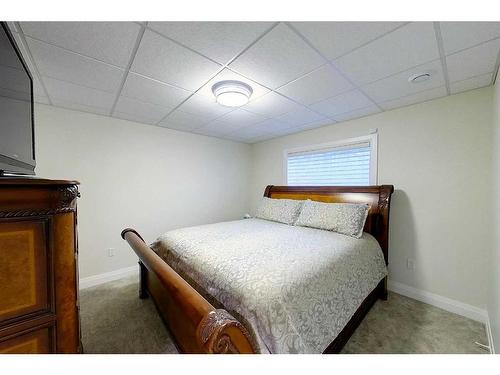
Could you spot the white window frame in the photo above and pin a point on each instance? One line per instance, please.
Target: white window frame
(371, 138)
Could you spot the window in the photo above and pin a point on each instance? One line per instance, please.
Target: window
(352, 162)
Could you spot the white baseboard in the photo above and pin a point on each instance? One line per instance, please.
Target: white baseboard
(489, 335)
(90, 281)
(444, 303)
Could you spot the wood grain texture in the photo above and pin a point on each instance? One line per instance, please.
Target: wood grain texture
(63, 234)
(186, 313)
(377, 197)
(197, 327)
(38, 264)
(377, 224)
(38, 341)
(24, 270)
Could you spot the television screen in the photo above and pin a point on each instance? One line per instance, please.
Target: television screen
(17, 152)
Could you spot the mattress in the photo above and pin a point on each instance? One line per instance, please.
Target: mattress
(295, 288)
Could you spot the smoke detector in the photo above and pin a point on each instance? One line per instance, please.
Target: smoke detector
(419, 77)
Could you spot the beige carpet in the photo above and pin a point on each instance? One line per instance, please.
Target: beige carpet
(115, 320)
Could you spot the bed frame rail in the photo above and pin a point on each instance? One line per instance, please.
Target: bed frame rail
(196, 325)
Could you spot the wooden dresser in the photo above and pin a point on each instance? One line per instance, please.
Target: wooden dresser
(39, 310)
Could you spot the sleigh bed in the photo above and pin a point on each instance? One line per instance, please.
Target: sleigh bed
(282, 299)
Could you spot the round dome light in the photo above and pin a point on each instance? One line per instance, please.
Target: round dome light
(232, 93)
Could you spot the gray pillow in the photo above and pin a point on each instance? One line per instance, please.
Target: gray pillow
(344, 218)
(281, 210)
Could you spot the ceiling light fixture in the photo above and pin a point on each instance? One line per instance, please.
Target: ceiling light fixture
(232, 93)
(419, 77)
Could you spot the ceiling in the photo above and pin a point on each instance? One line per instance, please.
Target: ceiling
(304, 74)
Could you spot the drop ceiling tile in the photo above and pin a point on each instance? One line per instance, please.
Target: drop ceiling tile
(320, 84)
(111, 42)
(315, 124)
(79, 95)
(473, 61)
(273, 126)
(164, 60)
(342, 103)
(461, 35)
(68, 66)
(152, 91)
(253, 131)
(240, 118)
(42, 99)
(37, 87)
(228, 75)
(408, 46)
(471, 83)
(371, 110)
(135, 110)
(231, 122)
(271, 105)
(415, 98)
(80, 107)
(204, 106)
(183, 121)
(334, 39)
(300, 116)
(286, 131)
(279, 57)
(265, 127)
(212, 131)
(221, 41)
(397, 85)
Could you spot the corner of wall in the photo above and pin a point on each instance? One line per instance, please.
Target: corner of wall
(493, 305)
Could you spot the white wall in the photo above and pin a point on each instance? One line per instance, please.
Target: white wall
(438, 156)
(134, 175)
(494, 281)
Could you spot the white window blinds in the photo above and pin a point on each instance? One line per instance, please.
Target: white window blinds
(342, 165)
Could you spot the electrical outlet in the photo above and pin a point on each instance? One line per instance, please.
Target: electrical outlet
(410, 264)
(111, 252)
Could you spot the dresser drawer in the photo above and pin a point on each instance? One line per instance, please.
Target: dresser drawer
(38, 341)
(38, 266)
(25, 269)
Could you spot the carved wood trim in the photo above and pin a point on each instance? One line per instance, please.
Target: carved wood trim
(382, 230)
(63, 198)
(67, 195)
(200, 328)
(212, 331)
(384, 197)
(48, 209)
(42, 212)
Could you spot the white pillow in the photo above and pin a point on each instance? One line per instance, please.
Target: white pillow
(344, 218)
(281, 210)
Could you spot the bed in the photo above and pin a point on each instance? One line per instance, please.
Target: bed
(256, 286)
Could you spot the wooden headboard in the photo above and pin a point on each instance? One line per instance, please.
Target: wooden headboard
(378, 197)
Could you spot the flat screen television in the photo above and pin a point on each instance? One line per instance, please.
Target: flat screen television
(17, 133)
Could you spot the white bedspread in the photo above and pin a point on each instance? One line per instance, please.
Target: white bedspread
(295, 287)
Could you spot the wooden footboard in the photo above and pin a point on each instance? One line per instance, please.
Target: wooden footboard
(198, 327)
(195, 324)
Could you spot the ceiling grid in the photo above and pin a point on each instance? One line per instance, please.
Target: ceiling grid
(303, 74)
